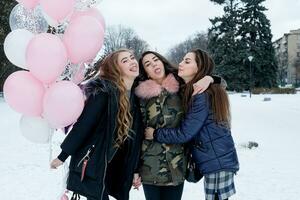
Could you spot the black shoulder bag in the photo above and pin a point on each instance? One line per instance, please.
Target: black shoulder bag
(193, 174)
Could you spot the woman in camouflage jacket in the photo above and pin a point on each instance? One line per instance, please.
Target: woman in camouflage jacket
(162, 167)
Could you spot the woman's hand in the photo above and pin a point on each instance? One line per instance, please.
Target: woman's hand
(149, 133)
(202, 84)
(137, 181)
(55, 163)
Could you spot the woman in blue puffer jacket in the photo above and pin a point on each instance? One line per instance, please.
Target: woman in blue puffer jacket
(206, 127)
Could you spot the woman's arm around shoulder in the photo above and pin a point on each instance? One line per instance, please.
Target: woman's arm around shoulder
(190, 126)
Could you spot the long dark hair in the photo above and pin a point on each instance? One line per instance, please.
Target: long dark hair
(169, 67)
(218, 97)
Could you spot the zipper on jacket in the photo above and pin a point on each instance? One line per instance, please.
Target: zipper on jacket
(86, 156)
(103, 180)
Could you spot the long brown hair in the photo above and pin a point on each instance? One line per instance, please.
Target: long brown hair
(218, 97)
(109, 70)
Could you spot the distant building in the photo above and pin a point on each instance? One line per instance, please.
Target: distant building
(287, 49)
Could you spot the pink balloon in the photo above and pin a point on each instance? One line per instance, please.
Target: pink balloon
(46, 57)
(24, 93)
(92, 12)
(58, 9)
(63, 104)
(83, 39)
(29, 4)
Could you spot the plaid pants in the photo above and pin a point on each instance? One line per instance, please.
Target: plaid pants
(220, 183)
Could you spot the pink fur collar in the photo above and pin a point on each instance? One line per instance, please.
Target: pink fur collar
(149, 88)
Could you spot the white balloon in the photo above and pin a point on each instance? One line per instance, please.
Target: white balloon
(35, 129)
(15, 45)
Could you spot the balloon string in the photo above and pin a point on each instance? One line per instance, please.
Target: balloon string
(50, 145)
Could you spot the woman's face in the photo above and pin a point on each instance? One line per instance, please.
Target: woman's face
(128, 65)
(188, 67)
(154, 67)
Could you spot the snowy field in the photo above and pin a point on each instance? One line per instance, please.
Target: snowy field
(268, 172)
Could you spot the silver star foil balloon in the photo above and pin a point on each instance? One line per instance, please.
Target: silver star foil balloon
(59, 30)
(71, 70)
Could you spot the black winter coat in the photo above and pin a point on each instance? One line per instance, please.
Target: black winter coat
(109, 168)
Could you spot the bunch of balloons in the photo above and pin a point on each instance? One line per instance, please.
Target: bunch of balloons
(38, 92)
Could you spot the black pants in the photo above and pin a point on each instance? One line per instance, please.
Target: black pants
(104, 197)
(153, 192)
(217, 198)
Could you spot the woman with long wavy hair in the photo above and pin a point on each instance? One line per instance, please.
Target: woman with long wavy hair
(105, 141)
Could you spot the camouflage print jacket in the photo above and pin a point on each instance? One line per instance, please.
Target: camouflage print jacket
(161, 164)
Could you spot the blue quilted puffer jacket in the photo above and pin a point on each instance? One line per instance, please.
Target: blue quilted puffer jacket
(212, 144)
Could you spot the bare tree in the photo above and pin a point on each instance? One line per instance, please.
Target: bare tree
(198, 40)
(123, 37)
(117, 37)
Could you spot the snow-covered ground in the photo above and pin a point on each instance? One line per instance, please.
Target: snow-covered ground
(267, 172)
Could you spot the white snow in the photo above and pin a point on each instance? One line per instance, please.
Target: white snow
(267, 172)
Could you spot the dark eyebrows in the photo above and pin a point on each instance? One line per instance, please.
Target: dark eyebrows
(154, 57)
(125, 58)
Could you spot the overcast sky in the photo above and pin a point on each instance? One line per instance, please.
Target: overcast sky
(164, 23)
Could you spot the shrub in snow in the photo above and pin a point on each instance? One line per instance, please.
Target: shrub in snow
(249, 145)
(274, 91)
(267, 99)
